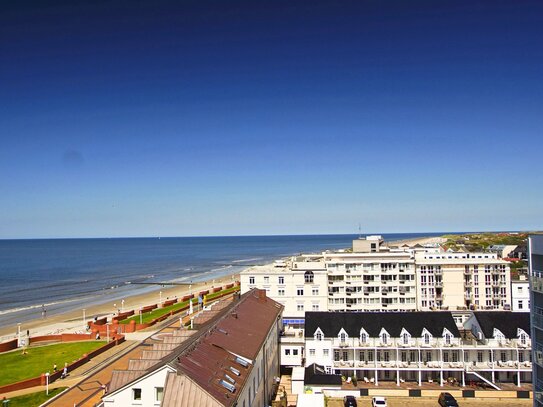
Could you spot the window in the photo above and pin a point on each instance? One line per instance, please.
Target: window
(384, 338)
(315, 291)
(480, 357)
(294, 352)
(311, 352)
(447, 339)
(287, 352)
(426, 338)
(315, 307)
(299, 307)
(502, 356)
(325, 352)
(281, 280)
(363, 337)
(159, 393)
(361, 355)
(308, 277)
(318, 336)
(300, 291)
(281, 292)
(405, 338)
(136, 394)
(428, 356)
(251, 280)
(336, 355)
(342, 337)
(266, 279)
(345, 355)
(446, 357)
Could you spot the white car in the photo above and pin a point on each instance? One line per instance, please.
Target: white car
(378, 402)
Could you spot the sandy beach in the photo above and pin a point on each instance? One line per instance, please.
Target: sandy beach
(72, 321)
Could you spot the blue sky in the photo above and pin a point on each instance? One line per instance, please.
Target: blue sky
(204, 117)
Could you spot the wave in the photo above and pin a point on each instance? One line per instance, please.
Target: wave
(49, 304)
(244, 260)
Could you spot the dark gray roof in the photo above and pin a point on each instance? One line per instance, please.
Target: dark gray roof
(506, 321)
(331, 323)
(315, 374)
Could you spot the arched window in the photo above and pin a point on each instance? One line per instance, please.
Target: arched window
(308, 276)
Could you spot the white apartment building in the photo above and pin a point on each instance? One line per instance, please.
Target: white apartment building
(299, 284)
(449, 280)
(421, 347)
(520, 294)
(374, 277)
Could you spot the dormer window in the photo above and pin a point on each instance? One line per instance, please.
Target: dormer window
(447, 336)
(523, 338)
(343, 336)
(384, 336)
(318, 335)
(405, 337)
(426, 337)
(363, 336)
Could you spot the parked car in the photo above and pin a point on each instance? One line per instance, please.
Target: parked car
(349, 401)
(378, 402)
(447, 400)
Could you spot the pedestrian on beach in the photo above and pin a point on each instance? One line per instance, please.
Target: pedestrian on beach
(55, 367)
(64, 372)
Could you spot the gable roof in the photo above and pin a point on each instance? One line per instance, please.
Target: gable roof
(506, 321)
(414, 322)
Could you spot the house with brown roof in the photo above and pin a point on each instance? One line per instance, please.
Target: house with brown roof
(233, 359)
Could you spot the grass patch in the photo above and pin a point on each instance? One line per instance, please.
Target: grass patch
(38, 360)
(212, 296)
(158, 312)
(34, 399)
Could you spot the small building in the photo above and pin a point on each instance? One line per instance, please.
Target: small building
(520, 294)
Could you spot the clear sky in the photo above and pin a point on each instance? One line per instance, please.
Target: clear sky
(175, 118)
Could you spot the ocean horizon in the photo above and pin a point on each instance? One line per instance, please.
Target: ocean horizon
(64, 274)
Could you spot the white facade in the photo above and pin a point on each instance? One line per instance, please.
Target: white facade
(422, 357)
(147, 391)
(299, 285)
(520, 295)
(462, 281)
(373, 277)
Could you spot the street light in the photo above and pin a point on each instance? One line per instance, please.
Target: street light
(47, 383)
(107, 332)
(18, 334)
(84, 319)
(141, 315)
(160, 293)
(122, 305)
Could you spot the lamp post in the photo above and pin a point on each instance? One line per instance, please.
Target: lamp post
(114, 308)
(160, 293)
(18, 334)
(141, 315)
(47, 383)
(107, 332)
(84, 319)
(122, 305)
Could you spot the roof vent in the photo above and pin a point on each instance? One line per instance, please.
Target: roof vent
(235, 371)
(222, 331)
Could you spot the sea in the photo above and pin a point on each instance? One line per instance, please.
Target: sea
(61, 275)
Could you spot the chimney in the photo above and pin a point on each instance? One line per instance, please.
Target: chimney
(262, 295)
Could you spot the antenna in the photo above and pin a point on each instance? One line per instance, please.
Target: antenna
(359, 231)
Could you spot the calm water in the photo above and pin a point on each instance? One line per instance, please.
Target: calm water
(68, 274)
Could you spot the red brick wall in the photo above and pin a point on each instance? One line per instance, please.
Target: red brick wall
(9, 345)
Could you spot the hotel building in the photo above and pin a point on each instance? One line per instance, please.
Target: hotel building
(374, 277)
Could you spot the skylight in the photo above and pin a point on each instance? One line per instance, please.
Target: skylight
(235, 371)
(230, 387)
(241, 362)
(229, 379)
